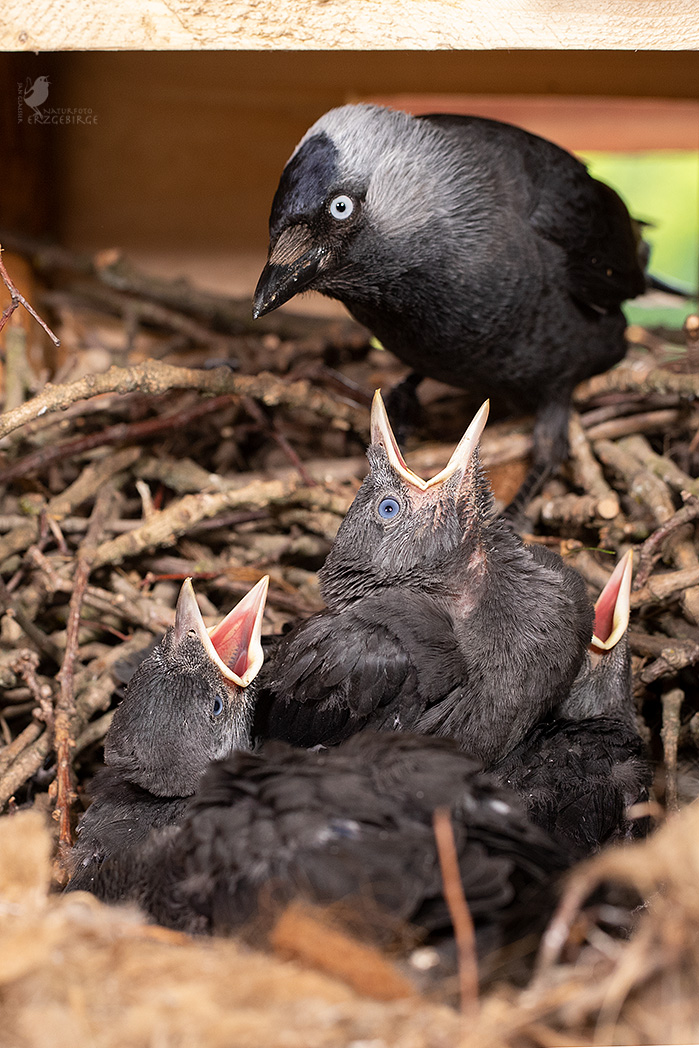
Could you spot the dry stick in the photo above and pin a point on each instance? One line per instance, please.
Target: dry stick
(650, 550)
(586, 470)
(662, 587)
(638, 378)
(673, 658)
(458, 909)
(64, 741)
(92, 478)
(37, 636)
(270, 425)
(167, 525)
(152, 376)
(672, 704)
(96, 696)
(642, 422)
(65, 712)
(10, 752)
(20, 300)
(135, 310)
(220, 312)
(652, 492)
(573, 509)
(94, 732)
(661, 465)
(121, 433)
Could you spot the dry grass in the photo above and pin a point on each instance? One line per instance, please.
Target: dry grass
(74, 972)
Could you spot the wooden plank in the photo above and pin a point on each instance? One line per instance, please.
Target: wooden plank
(66, 25)
(580, 124)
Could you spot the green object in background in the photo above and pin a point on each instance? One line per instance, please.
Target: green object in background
(661, 188)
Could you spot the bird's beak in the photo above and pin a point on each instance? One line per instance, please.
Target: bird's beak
(381, 433)
(234, 646)
(293, 262)
(613, 607)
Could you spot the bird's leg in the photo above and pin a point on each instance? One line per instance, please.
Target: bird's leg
(403, 406)
(550, 449)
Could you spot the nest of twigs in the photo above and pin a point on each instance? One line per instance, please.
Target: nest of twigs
(128, 462)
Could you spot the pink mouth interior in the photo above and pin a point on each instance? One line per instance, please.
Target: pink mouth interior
(604, 612)
(232, 642)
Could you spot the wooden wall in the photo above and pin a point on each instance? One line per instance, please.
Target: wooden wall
(182, 157)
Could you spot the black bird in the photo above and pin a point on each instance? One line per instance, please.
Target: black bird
(478, 253)
(353, 826)
(189, 702)
(439, 619)
(582, 769)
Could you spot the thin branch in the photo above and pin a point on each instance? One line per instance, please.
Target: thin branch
(20, 300)
(651, 548)
(64, 741)
(122, 433)
(458, 909)
(153, 376)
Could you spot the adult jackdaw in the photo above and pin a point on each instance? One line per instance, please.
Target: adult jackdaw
(481, 255)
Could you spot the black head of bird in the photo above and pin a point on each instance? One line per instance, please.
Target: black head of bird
(481, 255)
(603, 686)
(403, 530)
(190, 702)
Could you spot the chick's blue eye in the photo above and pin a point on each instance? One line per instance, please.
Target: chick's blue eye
(389, 508)
(218, 706)
(341, 207)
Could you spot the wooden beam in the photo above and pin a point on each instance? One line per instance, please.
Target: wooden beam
(472, 25)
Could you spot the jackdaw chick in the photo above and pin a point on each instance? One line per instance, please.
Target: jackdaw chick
(350, 827)
(582, 770)
(190, 702)
(480, 254)
(439, 619)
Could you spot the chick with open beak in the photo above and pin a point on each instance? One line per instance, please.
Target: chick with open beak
(439, 619)
(585, 767)
(189, 702)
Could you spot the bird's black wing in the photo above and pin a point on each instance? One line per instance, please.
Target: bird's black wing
(375, 663)
(350, 825)
(579, 777)
(120, 817)
(565, 205)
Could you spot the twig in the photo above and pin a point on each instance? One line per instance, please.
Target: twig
(641, 422)
(663, 587)
(586, 470)
(167, 525)
(121, 433)
(270, 425)
(65, 712)
(20, 300)
(660, 465)
(461, 919)
(650, 550)
(152, 376)
(571, 509)
(638, 378)
(94, 732)
(672, 704)
(95, 697)
(673, 658)
(37, 636)
(92, 478)
(64, 741)
(652, 493)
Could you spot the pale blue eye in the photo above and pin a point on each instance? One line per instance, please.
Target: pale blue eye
(341, 207)
(389, 508)
(218, 706)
